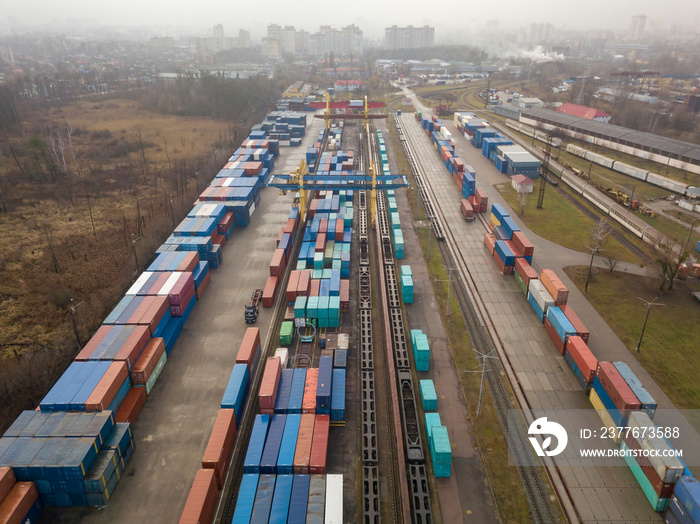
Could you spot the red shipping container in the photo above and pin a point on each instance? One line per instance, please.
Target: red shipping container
(108, 387)
(268, 298)
(312, 207)
(581, 353)
(553, 335)
(222, 440)
(291, 226)
(323, 226)
(315, 287)
(459, 165)
(661, 488)
(131, 406)
(18, 502)
(490, 242)
(201, 502)
(620, 393)
(250, 346)
(130, 350)
(523, 244)
(278, 263)
(506, 270)
(554, 286)
(320, 243)
(302, 453)
(217, 238)
(146, 363)
(319, 445)
(516, 252)
(466, 209)
(7, 480)
(581, 330)
(339, 224)
(525, 270)
(483, 198)
(150, 312)
(203, 286)
(308, 404)
(270, 382)
(292, 285)
(344, 294)
(304, 283)
(224, 224)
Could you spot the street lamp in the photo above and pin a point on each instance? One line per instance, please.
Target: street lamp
(649, 304)
(483, 357)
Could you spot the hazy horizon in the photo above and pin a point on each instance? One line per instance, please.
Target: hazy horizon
(451, 24)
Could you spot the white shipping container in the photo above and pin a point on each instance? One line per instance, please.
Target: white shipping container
(662, 181)
(599, 159)
(576, 150)
(630, 170)
(283, 353)
(334, 499)
(540, 294)
(670, 469)
(168, 286)
(134, 290)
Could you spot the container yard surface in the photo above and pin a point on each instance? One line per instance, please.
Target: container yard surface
(467, 489)
(172, 431)
(600, 494)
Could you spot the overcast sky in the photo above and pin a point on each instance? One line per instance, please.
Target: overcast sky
(372, 16)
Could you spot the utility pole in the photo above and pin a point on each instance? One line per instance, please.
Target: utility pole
(449, 286)
(133, 246)
(482, 357)
(172, 213)
(594, 250)
(690, 233)
(75, 325)
(629, 204)
(430, 232)
(649, 305)
(488, 91)
(544, 170)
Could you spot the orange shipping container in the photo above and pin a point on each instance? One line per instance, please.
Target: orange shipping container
(291, 226)
(344, 294)
(220, 446)
(292, 285)
(7, 480)
(270, 382)
(108, 387)
(554, 286)
(523, 244)
(203, 286)
(278, 263)
(147, 361)
(319, 445)
(304, 283)
(525, 270)
(131, 406)
(315, 287)
(302, 452)
(490, 242)
(150, 312)
(268, 298)
(248, 352)
(308, 404)
(18, 502)
(201, 502)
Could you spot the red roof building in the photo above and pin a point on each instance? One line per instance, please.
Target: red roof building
(584, 112)
(348, 85)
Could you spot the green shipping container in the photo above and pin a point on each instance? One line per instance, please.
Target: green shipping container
(441, 451)
(428, 395)
(656, 503)
(155, 374)
(300, 307)
(287, 333)
(323, 309)
(312, 307)
(318, 262)
(519, 280)
(431, 419)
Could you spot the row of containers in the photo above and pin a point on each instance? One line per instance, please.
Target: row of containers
(475, 200)
(74, 447)
(319, 286)
(312, 153)
(289, 437)
(615, 392)
(285, 128)
(393, 208)
(500, 150)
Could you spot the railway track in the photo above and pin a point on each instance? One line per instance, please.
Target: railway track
(541, 507)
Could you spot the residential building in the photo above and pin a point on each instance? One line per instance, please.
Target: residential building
(348, 85)
(637, 26)
(408, 37)
(271, 47)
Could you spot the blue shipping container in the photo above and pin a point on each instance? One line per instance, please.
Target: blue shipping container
(338, 396)
(236, 390)
(246, 499)
(281, 498)
(299, 499)
(251, 463)
(268, 462)
(323, 388)
(284, 390)
(285, 458)
(263, 500)
(296, 394)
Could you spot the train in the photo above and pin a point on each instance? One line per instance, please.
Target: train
(539, 135)
(631, 171)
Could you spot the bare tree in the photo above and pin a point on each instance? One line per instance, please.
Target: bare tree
(668, 261)
(599, 236)
(611, 260)
(139, 135)
(522, 200)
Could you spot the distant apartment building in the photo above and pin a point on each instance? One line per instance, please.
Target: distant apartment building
(163, 42)
(637, 27)
(540, 33)
(348, 85)
(271, 47)
(347, 41)
(408, 37)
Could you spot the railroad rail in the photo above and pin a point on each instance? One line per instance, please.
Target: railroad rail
(419, 495)
(541, 508)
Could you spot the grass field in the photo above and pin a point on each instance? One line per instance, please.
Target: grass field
(561, 222)
(669, 347)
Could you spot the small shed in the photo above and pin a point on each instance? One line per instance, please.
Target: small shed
(522, 184)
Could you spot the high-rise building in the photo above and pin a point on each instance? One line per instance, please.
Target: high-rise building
(271, 47)
(637, 26)
(409, 37)
(218, 31)
(301, 42)
(244, 38)
(540, 33)
(273, 30)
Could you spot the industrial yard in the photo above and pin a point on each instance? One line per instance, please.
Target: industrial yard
(289, 355)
